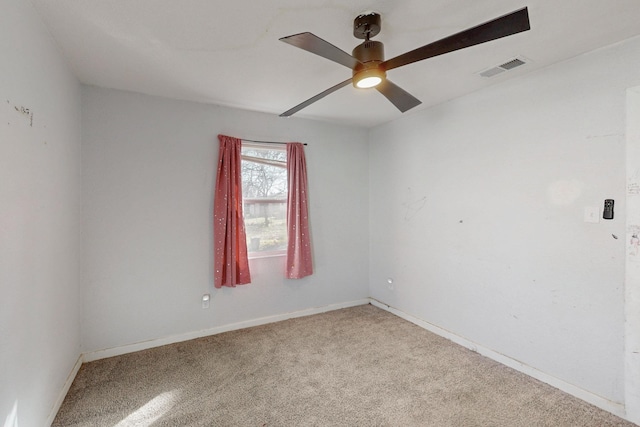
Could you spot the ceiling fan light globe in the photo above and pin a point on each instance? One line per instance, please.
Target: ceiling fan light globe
(368, 77)
(369, 82)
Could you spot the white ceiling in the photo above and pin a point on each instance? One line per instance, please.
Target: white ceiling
(228, 52)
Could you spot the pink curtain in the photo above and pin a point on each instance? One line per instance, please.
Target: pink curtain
(299, 245)
(231, 264)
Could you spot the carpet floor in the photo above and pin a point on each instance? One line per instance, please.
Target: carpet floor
(359, 366)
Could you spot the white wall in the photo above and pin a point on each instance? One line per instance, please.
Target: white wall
(39, 218)
(632, 279)
(148, 174)
(477, 213)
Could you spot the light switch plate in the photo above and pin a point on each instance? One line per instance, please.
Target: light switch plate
(592, 214)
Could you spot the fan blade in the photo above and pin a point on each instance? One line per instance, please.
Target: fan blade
(314, 44)
(399, 97)
(314, 99)
(506, 25)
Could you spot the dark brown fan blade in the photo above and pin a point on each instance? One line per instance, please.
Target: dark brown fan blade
(315, 98)
(399, 97)
(314, 44)
(506, 25)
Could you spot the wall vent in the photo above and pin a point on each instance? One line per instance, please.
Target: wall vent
(509, 65)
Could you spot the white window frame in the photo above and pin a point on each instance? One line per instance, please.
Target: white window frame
(276, 163)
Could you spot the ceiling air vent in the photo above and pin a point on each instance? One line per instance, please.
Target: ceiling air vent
(512, 64)
(509, 65)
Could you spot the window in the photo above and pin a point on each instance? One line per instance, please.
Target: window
(264, 198)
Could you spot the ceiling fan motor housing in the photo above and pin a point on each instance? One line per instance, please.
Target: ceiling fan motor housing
(369, 51)
(371, 55)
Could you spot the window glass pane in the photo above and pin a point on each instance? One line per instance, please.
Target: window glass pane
(264, 191)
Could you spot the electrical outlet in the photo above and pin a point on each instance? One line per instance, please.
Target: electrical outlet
(205, 300)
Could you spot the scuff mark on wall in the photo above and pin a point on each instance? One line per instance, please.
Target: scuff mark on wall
(412, 205)
(608, 135)
(413, 208)
(25, 112)
(634, 245)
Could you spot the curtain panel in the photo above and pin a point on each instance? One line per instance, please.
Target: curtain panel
(298, 263)
(231, 263)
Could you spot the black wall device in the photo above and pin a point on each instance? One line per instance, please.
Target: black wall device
(608, 209)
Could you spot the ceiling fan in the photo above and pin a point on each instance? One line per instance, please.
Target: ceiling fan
(369, 69)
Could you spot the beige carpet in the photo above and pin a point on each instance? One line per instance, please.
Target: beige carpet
(359, 366)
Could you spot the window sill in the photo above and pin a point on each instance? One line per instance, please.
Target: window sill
(259, 255)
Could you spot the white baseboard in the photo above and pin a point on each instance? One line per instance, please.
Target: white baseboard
(130, 348)
(64, 391)
(599, 401)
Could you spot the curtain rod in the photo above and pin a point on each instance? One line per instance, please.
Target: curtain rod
(266, 142)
